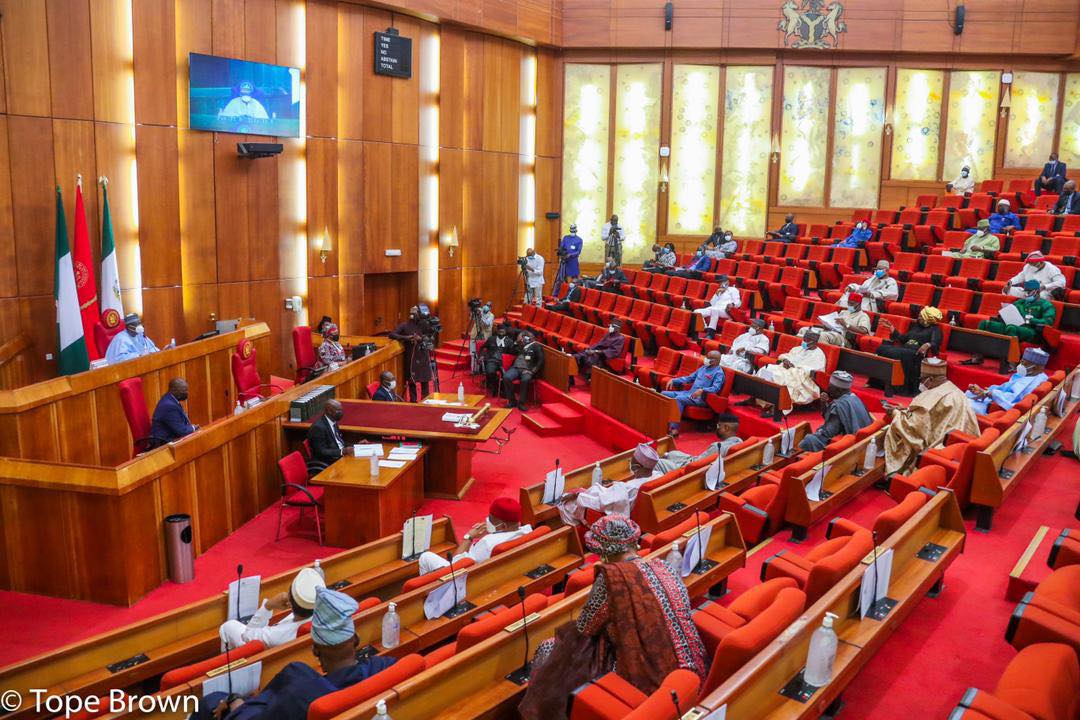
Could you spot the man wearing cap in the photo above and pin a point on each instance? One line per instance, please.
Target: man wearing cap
(131, 343)
(720, 304)
(1037, 314)
(502, 523)
(609, 496)
(1037, 268)
(691, 389)
(299, 600)
(938, 409)
(962, 183)
(746, 347)
(844, 324)
(727, 428)
(297, 685)
(858, 237)
(844, 413)
(980, 244)
(607, 348)
(876, 290)
(331, 354)
(570, 251)
(1004, 219)
(1028, 376)
(795, 370)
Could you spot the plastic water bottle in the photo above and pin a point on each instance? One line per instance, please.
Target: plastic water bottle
(1039, 426)
(391, 628)
(380, 711)
(674, 558)
(768, 455)
(871, 454)
(374, 464)
(1074, 393)
(952, 319)
(461, 393)
(318, 568)
(238, 409)
(819, 661)
(597, 474)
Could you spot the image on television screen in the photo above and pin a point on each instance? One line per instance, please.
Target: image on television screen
(238, 96)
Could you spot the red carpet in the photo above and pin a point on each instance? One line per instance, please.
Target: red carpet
(949, 643)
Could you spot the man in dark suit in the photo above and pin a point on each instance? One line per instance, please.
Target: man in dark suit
(1052, 177)
(571, 292)
(324, 437)
(385, 391)
(495, 347)
(787, 232)
(1069, 202)
(170, 422)
(527, 365)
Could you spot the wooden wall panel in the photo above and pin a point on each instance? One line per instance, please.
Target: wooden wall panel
(159, 205)
(73, 146)
(26, 55)
(322, 67)
(350, 207)
(70, 77)
(352, 70)
(198, 229)
(154, 41)
(322, 204)
(260, 31)
(30, 142)
(9, 285)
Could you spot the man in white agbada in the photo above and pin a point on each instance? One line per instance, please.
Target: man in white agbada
(878, 287)
(534, 277)
(846, 323)
(795, 370)
(720, 304)
(300, 599)
(962, 183)
(746, 347)
(727, 428)
(1042, 271)
(609, 496)
(503, 523)
(245, 105)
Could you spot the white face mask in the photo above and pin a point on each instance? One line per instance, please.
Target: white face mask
(490, 526)
(923, 387)
(963, 173)
(611, 328)
(980, 233)
(140, 330)
(1022, 370)
(391, 385)
(755, 331)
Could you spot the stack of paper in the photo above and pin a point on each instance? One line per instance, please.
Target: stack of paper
(403, 453)
(456, 417)
(368, 449)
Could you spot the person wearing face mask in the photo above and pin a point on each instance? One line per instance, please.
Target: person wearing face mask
(503, 523)
(1037, 314)
(981, 244)
(691, 389)
(1037, 268)
(845, 324)
(611, 277)
(417, 354)
(1028, 376)
(962, 184)
(495, 348)
(330, 351)
(534, 277)
(746, 347)
(787, 232)
(795, 370)
(876, 291)
(571, 293)
(1069, 202)
(610, 346)
(609, 496)
(664, 258)
(486, 323)
(528, 364)
(1003, 219)
(570, 251)
(702, 261)
(727, 437)
(859, 236)
(844, 413)
(387, 385)
(131, 343)
(245, 105)
(938, 409)
(720, 305)
(325, 438)
(1052, 177)
(728, 245)
(170, 421)
(922, 340)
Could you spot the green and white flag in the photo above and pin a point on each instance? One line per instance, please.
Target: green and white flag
(109, 297)
(69, 330)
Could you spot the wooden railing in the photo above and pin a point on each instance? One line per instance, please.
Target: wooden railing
(639, 407)
(15, 362)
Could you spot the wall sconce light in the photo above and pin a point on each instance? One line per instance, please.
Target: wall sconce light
(323, 245)
(888, 129)
(664, 179)
(1006, 101)
(452, 243)
(775, 153)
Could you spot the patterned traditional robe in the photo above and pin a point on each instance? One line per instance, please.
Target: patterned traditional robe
(924, 423)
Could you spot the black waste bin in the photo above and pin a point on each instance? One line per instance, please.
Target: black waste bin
(179, 552)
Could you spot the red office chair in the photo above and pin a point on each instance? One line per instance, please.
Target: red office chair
(371, 388)
(106, 329)
(131, 397)
(246, 375)
(304, 352)
(296, 493)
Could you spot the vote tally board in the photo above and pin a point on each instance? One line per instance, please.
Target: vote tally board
(393, 54)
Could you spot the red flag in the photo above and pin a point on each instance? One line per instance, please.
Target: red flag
(85, 282)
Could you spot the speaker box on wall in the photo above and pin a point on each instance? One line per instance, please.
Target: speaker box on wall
(958, 22)
(669, 12)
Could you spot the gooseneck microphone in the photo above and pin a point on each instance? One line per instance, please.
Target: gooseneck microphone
(521, 675)
(453, 580)
(675, 700)
(239, 576)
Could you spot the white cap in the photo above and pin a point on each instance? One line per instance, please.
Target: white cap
(393, 606)
(304, 587)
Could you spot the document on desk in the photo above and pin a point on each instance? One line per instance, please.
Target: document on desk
(416, 535)
(400, 453)
(828, 321)
(368, 449)
(456, 417)
(695, 550)
(247, 588)
(444, 597)
(244, 681)
(392, 463)
(813, 488)
(875, 581)
(1010, 315)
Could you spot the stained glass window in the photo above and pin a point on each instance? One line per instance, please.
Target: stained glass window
(972, 126)
(857, 129)
(1031, 118)
(1069, 141)
(692, 173)
(804, 136)
(637, 154)
(917, 124)
(744, 178)
(585, 153)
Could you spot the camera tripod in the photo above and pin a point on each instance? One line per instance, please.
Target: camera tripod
(560, 273)
(524, 290)
(474, 323)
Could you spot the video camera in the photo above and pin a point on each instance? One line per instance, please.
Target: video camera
(430, 325)
(522, 262)
(475, 304)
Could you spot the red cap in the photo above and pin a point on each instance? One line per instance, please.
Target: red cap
(1035, 258)
(506, 510)
(854, 297)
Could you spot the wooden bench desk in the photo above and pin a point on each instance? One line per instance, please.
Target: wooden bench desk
(642, 408)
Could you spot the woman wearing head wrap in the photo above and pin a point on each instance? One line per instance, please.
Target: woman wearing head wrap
(923, 339)
(330, 350)
(636, 622)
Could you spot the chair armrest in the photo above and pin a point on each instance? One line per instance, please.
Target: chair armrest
(841, 527)
(958, 437)
(986, 704)
(302, 489)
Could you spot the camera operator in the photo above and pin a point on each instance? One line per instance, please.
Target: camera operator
(500, 344)
(527, 365)
(419, 336)
(612, 235)
(533, 266)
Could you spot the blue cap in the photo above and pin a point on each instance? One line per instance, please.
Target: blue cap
(332, 623)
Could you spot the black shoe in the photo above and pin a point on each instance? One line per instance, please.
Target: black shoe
(973, 360)
(747, 401)
(512, 405)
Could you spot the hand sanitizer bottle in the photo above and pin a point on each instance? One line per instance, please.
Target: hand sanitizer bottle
(374, 464)
(238, 409)
(1074, 393)
(819, 661)
(1039, 426)
(597, 474)
(674, 558)
(461, 393)
(380, 711)
(870, 457)
(391, 628)
(768, 454)
(772, 326)
(318, 568)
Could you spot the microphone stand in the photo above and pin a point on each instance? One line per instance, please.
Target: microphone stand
(553, 485)
(521, 675)
(675, 700)
(415, 554)
(880, 608)
(461, 606)
(703, 564)
(239, 576)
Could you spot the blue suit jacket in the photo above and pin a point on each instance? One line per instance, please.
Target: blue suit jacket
(1049, 170)
(384, 395)
(170, 422)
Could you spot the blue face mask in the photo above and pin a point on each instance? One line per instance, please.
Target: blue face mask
(879, 273)
(805, 345)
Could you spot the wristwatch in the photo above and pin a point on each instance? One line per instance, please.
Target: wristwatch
(466, 536)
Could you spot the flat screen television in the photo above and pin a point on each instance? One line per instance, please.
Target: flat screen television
(238, 96)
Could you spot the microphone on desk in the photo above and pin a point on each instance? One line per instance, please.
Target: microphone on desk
(521, 675)
(675, 699)
(453, 580)
(239, 575)
(553, 486)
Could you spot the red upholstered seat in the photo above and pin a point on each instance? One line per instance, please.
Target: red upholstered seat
(935, 270)
(886, 523)
(675, 332)
(1042, 682)
(336, 703)
(484, 627)
(872, 428)
(930, 477)
(246, 374)
(181, 675)
(1066, 549)
(958, 460)
(663, 369)
(296, 493)
(138, 418)
(422, 580)
(926, 201)
(519, 541)
(106, 329)
(1049, 614)
(660, 539)
(734, 634)
(610, 697)
(759, 510)
(951, 201)
(823, 566)
(304, 352)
